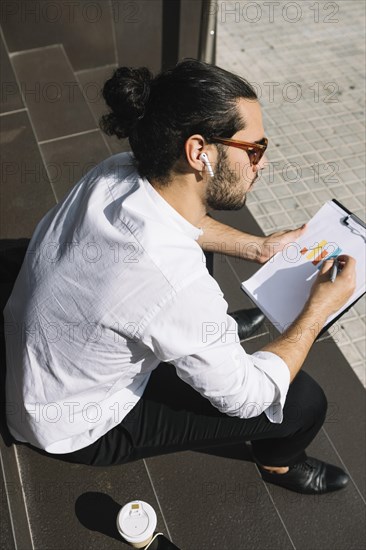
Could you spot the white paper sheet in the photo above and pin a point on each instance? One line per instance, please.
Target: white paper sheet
(281, 287)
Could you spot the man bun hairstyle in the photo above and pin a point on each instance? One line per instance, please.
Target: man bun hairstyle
(159, 114)
(126, 93)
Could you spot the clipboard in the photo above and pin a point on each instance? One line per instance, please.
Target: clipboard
(281, 287)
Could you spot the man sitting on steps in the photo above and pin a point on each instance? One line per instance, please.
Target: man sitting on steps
(111, 356)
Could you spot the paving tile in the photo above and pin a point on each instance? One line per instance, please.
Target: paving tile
(77, 505)
(334, 520)
(352, 203)
(266, 225)
(361, 373)
(362, 199)
(281, 220)
(257, 209)
(360, 307)
(55, 102)
(91, 84)
(262, 194)
(297, 187)
(280, 191)
(210, 500)
(340, 335)
(346, 423)
(10, 98)
(68, 159)
(360, 344)
(6, 535)
(354, 327)
(311, 210)
(18, 514)
(25, 191)
(271, 207)
(85, 28)
(290, 203)
(142, 19)
(351, 313)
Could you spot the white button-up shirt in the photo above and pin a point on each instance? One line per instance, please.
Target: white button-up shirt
(113, 283)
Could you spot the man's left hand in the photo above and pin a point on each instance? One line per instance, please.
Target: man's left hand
(277, 241)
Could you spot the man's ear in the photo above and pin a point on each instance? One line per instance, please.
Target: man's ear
(193, 147)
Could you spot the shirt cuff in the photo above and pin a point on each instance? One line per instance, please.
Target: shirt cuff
(277, 370)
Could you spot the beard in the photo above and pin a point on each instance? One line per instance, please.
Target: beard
(225, 189)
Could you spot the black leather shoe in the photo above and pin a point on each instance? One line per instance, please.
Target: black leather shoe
(249, 320)
(311, 477)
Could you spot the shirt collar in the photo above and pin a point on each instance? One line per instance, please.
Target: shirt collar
(178, 220)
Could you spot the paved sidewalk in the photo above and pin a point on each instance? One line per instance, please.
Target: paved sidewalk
(306, 60)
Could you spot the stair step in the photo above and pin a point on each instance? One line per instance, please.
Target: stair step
(77, 505)
(85, 28)
(10, 99)
(91, 83)
(56, 105)
(25, 191)
(68, 159)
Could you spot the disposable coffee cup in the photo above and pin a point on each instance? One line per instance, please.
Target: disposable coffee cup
(136, 523)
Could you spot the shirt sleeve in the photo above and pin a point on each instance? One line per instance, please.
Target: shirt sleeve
(194, 332)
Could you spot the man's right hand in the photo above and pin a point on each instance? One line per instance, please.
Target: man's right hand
(329, 297)
(325, 299)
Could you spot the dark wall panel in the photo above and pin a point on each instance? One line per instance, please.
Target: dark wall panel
(139, 33)
(190, 18)
(171, 15)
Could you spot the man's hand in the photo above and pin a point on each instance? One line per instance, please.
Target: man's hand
(277, 241)
(329, 296)
(324, 300)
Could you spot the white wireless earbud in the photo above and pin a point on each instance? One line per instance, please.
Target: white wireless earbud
(205, 160)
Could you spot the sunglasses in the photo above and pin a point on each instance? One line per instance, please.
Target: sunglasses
(255, 151)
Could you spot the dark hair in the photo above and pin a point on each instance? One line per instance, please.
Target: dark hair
(159, 114)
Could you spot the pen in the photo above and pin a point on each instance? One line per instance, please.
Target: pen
(334, 271)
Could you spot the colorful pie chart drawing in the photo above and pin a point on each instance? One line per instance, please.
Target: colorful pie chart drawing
(319, 252)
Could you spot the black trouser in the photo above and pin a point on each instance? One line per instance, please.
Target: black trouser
(172, 416)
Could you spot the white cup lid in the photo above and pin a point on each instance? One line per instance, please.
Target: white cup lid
(136, 521)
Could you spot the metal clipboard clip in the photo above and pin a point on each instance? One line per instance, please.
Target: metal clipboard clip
(356, 225)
